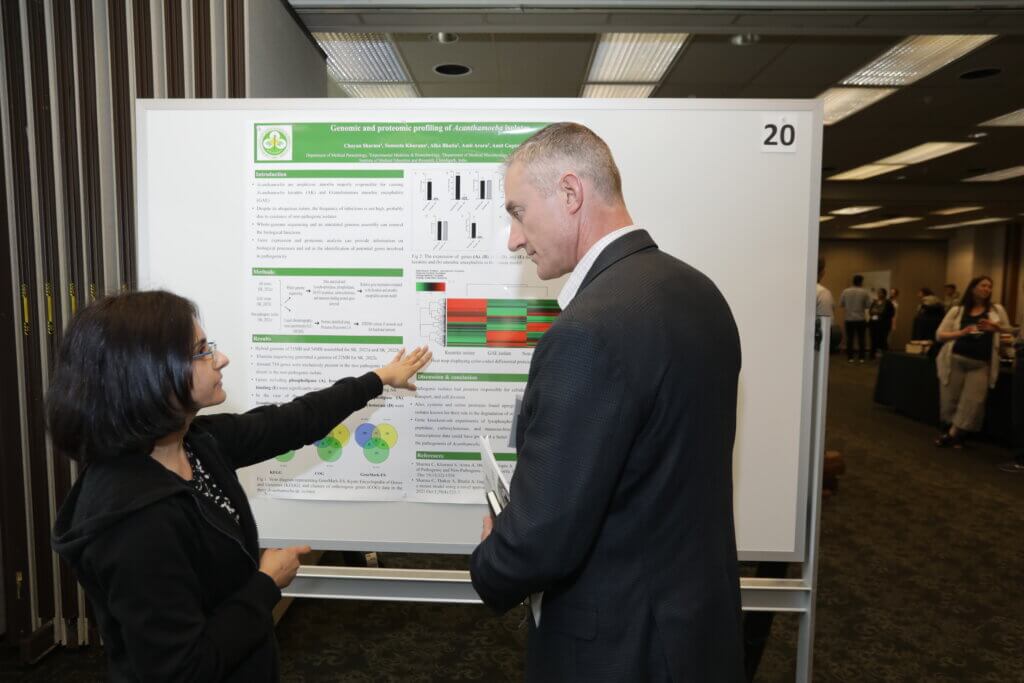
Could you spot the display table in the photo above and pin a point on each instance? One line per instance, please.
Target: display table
(908, 383)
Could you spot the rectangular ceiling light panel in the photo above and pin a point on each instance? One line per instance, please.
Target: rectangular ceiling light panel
(996, 176)
(615, 90)
(379, 90)
(362, 57)
(899, 220)
(843, 102)
(1014, 118)
(915, 57)
(634, 57)
(954, 210)
(866, 171)
(978, 221)
(854, 210)
(925, 152)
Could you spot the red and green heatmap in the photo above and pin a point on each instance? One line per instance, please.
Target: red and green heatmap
(498, 322)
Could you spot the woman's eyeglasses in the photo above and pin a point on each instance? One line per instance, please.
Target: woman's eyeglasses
(211, 350)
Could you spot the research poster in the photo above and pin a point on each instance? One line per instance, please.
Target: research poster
(365, 237)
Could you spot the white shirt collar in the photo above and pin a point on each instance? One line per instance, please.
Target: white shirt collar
(579, 273)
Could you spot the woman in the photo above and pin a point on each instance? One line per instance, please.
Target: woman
(880, 317)
(157, 526)
(968, 364)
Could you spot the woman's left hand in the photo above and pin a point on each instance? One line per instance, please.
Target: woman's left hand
(402, 367)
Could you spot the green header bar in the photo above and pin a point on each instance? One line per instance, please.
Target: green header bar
(377, 142)
(323, 173)
(469, 377)
(461, 455)
(329, 272)
(322, 339)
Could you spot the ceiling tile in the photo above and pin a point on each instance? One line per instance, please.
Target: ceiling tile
(715, 60)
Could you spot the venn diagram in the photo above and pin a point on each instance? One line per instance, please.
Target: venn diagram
(375, 440)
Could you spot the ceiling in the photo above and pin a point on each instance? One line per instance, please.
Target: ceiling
(545, 51)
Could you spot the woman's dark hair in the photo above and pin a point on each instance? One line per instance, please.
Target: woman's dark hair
(882, 293)
(123, 378)
(925, 291)
(968, 300)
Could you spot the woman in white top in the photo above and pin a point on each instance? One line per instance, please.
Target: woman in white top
(968, 364)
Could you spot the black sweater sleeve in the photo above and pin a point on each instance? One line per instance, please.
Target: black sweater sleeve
(268, 431)
(153, 594)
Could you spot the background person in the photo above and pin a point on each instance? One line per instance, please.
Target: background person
(881, 315)
(157, 526)
(968, 364)
(855, 301)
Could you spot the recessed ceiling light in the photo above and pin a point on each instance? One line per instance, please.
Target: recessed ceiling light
(444, 38)
(954, 210)
(1014, 118)
(634, 57)
(996, 176)
(452, 69)
(978, 221)
(822, 219)
(742, 39)
(975, 74)
(611, 90)
(915, 57)
(978, 134)
(898, 220)
(866, 171)
(843, 102)
(854, 210)
(925, 152)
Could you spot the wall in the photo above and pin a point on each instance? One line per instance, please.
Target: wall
(914, 264)
(979, 251)
(960, 259)
(281, 59)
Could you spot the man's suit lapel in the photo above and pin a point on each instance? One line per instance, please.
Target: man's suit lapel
(626, 245)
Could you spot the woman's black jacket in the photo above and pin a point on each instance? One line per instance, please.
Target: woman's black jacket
(172, 579)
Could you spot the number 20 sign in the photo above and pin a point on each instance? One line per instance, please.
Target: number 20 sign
(779, 133)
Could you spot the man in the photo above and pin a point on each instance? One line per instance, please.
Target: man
(621, 507)
(825, 305)
(953, 297)
(855, 301)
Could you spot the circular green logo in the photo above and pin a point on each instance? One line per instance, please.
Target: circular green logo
(274, 142)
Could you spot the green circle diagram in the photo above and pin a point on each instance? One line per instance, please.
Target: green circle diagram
(376, 441)
(376, 450)
(286, 457)
(329, 449)
(274, 142)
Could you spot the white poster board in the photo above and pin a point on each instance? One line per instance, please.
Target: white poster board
(731, 187)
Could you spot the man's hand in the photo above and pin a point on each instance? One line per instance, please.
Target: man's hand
(487, 528)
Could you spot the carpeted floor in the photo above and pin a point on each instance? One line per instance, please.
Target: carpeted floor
(921, 575)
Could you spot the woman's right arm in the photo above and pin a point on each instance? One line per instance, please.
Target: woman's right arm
(268, 431)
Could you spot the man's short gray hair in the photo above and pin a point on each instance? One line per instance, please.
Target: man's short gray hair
(562, 147)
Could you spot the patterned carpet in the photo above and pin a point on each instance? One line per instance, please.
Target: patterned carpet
(921, 580)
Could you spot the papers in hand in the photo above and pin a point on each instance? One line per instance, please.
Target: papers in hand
(496, 489)
(495, 485)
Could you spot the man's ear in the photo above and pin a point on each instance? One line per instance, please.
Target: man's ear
(571, 188)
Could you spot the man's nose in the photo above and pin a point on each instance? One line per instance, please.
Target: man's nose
(516, 240)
